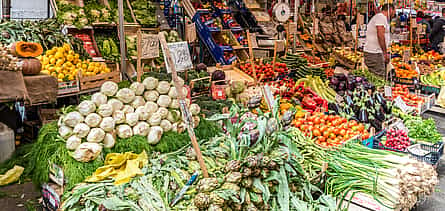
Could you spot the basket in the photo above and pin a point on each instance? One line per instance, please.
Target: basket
(429, 153)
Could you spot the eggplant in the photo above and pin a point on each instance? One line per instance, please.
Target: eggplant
(376, 124)
(370, 102)
(363, 115)
(341, 86)
(380, 113)
(349, 101)
(379, 98)
(335, 107)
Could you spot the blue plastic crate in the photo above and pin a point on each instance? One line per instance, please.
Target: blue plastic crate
(433, 152)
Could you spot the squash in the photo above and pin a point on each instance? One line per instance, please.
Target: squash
(26, 49)
(31, 66)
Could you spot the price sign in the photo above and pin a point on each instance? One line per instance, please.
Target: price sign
(399, 103)
(388, 91)
(253, 40)
(268, 96)
(280, 45)
(400, 126)
(406, 56)
(260, 53)
(150, 46)
(180, 54)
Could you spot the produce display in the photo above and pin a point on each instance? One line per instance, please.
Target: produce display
(319, 86)
(73, 15)
(349, 55)
(370, 77)
(147, 109)
(145, 12)
(64, 64)
(265, 71)
(330, 130)
(404, 70)
(422, 129)
(436, 78)
(397, 140)
(299, 66)
(108, 46)
(410, 99)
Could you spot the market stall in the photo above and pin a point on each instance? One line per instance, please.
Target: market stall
(130, 119)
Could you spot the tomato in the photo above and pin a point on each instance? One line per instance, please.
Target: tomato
(317, 121)
(361, 127)
(316, 132)
(321, 139)
(353, 122)
(365, 136)
(342, 132)
(326, 134)
(311, 118)
(303, 127)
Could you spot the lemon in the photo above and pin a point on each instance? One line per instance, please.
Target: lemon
(59, 55)
(69, 57)
(59, 63)
(52, 61)
(84, 66)
(71, 77)
(76, 56)
(66, 47)
(54, 74)
(46, 72)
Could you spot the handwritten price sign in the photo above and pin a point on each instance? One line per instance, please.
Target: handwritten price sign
(150, 46)
(180, 55)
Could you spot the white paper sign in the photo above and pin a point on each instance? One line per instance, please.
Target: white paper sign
(399, 103)
(269, 97)
(388, 91)
(150, 46)
(180, 54)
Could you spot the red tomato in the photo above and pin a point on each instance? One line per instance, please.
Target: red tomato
(316, 132)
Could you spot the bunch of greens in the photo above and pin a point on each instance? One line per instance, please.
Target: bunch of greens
(372, 78)
(423, 129)
(107, 44)
(93, 12)
(127, 13)
(99, 13)
(145, 12)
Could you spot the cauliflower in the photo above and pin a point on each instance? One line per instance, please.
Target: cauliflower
(65, 131)
(143, 113)
(86, 107)
(155, 135)
(109, 141)
(166, 125)
(174, 104)
(163, 112)
(72, 119)
(81, 130)
(138, 88)
(116, 104)
(119, 117)
(164, 101)
(155, 119)
(73, 142)
(141, 128)
(151, 95)
(99, 98)
(93, 120)
(86, 152)
(138, 101)
(150, 83)
(124, 131)
(107, 124)
(174, 94)
(125, 95)
(105, 110)
(127, 109)
(109, 88)
(163, 87)
(96, 135)
(195, 109)
(151, 107)
(174, 116)
(131, 119)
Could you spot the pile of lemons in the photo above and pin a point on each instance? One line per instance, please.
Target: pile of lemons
(64, 64)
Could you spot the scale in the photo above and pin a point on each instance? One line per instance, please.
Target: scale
(281, 13)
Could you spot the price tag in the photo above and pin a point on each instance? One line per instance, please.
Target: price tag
(253, 40)
(150, 46)
(180, 54)
(280, 45)
(293, 28)
(268, 96)
(399, 103)
(400, 126)
(260, 53)
(406, 56)
(388, 91)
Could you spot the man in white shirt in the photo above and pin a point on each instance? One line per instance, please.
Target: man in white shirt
(378, 40)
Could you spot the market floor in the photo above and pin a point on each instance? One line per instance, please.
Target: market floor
(23, 197)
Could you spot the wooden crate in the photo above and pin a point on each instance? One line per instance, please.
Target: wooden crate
(96, 81)
(47, 115)
(88, 32)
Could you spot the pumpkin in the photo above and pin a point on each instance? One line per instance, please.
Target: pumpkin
(31, 66)
(26, 49)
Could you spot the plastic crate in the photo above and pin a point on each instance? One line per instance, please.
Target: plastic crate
(429, 153)
(375, 143)
(430, 89)
(404, 81)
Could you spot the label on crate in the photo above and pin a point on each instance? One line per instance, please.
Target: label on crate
(180, 54)
(150, 46)
(400, 126)
(399, 103)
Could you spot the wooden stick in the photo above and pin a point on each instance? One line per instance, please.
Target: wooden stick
(249, 43)
(122, 39)
(139, 49)
(185, 111)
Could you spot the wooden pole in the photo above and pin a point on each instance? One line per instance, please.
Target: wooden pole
(122, 39)
(139, 49)
(183, 106)
(275, 55)
(251, 59)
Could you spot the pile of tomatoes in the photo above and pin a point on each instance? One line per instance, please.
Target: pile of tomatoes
(265, 72)
(330, 130)
(409, 98)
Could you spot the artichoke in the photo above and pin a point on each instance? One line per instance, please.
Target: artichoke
(233, 166)
(202, 201)
(254, 102)
(192, 208)
(234, 177)
(216, 199)
(247, 172)
(287, 118)
(253, 161)
(190, 154)
(230, 186)
(251, 207)
(214, 207)
(247, 183)
(207, 184)
(265, 160)
(272, 126)
(255, 198)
